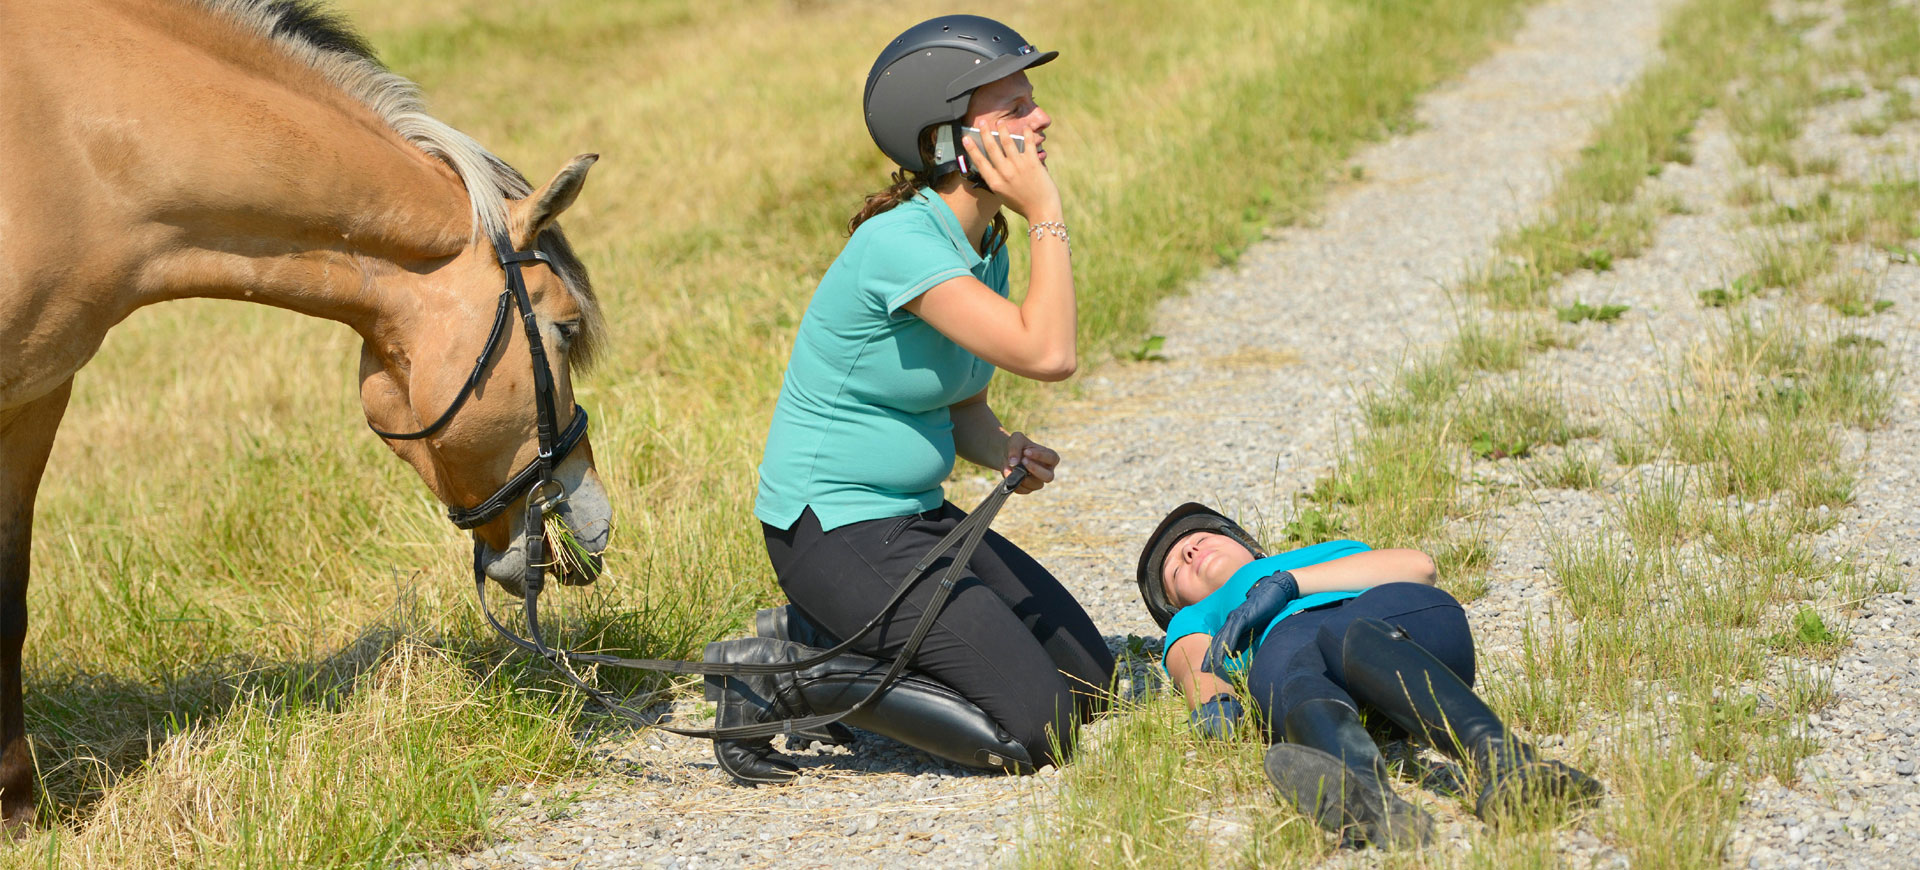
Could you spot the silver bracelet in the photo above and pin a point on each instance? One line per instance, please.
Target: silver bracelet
(1050, 228)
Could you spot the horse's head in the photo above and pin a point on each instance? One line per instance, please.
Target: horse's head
(421, 363)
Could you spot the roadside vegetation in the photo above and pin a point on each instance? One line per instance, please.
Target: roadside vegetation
(252, 639)
(1686, 644)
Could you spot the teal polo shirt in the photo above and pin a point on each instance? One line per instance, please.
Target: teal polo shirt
(862, 430)
(1209, 614)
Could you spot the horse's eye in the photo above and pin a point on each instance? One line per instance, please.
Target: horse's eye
(567, 331)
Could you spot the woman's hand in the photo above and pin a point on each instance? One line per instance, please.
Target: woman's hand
(1017, 176)
(1036, 459)
(1264, 601)
(1218, 717)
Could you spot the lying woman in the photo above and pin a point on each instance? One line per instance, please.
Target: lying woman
(1317, 633)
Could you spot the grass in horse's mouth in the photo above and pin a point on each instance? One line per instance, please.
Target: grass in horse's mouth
(569, 556)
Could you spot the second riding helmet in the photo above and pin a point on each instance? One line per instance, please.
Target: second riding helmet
(926, 75)
(1183, 521)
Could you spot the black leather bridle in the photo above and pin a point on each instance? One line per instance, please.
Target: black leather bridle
(536, 482)
(545, 494)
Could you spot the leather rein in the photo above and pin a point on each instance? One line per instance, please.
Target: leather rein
(544, 494)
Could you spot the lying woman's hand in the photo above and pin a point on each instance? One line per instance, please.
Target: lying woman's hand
(1218, 718)
(1037, 460)
(1264, 602)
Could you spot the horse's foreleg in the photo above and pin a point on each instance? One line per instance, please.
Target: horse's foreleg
(26, 437)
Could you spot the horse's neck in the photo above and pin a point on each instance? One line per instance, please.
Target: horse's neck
(271, 186)
(334, 243)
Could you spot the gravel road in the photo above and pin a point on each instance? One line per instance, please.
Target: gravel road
(1256, 400)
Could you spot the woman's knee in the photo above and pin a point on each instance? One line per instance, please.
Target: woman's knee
(1046, 725)
(1440, 626)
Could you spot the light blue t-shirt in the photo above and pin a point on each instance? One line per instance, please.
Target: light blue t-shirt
(1207, 615)
(861, 431)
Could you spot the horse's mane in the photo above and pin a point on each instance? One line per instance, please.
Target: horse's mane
(321, 39)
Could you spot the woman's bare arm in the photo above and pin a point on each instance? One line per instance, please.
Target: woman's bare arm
(980, 438)
(1034, 339)
(1183, 664)
(1365, 571)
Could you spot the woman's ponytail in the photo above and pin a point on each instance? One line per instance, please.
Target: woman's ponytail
(905, 185)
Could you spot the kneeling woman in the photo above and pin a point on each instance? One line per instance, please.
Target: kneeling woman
(886, 385)
(1325, 630)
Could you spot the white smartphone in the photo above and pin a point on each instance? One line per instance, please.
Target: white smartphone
(946, 150)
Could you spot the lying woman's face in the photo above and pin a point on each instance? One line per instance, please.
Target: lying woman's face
(1200, 563)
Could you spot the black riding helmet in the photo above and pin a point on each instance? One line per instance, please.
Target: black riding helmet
(926, 75)
(1185, 520)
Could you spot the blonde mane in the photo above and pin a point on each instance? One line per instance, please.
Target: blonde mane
(323, 41)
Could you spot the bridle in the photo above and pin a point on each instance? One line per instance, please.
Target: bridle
(536, 482)
(545, 494)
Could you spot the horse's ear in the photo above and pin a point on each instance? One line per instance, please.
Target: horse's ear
(539, 209)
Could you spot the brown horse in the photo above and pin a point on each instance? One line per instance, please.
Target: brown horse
(253, 149)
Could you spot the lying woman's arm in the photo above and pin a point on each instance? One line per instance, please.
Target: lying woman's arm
(1183, 664)
(1346, 574)
(1365, 571)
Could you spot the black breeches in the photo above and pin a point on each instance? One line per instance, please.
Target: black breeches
(1011, 639)
(1300, 658)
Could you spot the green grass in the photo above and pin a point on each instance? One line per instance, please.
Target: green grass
(1790, 263)
(1503, 422)
(1501, 345)
(1581, 311)
(1420, 389)
(1570, 469)
(1397, 485)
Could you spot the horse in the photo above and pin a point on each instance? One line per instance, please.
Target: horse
(257, 150)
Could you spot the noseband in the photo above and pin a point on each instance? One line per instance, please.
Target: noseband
(535, 482)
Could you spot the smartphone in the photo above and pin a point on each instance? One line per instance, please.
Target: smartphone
(945, 150)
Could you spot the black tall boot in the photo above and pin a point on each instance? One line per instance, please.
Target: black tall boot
(788, 623)
(1330, 768)
(749, 701)
(915, 710)
(1388, 671)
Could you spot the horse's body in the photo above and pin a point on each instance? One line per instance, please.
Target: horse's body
(160, 149)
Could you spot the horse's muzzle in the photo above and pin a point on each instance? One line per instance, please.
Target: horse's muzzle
(585, 510)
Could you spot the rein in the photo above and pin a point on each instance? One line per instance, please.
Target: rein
(962, 540)
(544, 494)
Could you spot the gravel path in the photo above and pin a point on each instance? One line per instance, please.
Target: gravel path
(1857, 801)
(1255, 402)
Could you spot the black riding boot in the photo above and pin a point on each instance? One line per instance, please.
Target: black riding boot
(915, 710)
(1331, 770)
(788, 623)
(1388, 671)
(749, 701)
